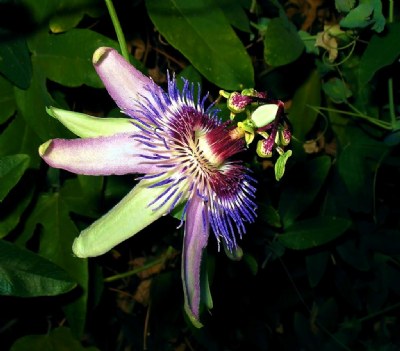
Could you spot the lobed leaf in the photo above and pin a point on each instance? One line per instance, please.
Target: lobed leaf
(26, 274)
(202, 33)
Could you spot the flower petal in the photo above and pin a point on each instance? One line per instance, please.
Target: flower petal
(124, 82)
(86, 126)
(116, 154)
(195, 242)
(123, 221)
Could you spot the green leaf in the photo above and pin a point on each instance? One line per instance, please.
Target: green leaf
(26, 274)
(71, 12)
(59, 339)
(316, 267)
(31, 104)
(15, 63)
(382, 50)
(7, 101)
(57, 235)
(309, 42)
(355, 164)
(201, 32)
(301, 116)
(337, 90)
(67, 58)
(235, 14)
(366, 13)
(11, 211)
(11, 170)
(282, 43)
(302, 186)
(281, 163)
(353, 255)
(18, 138)
(344, 5)
(313, 232)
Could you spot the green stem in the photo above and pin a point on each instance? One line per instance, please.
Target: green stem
(134, 271)
(390, 81)
(118, 29)
(385, 310)
(377, 122)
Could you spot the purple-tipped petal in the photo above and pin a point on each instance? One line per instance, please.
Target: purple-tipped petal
(195, 242)
(116, 154)
(124, 82)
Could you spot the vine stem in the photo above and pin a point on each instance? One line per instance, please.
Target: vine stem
(390, 80)
(118, 29)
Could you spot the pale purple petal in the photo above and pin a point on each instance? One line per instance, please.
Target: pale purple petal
(124, 82)
(195, 242)
(116, 154)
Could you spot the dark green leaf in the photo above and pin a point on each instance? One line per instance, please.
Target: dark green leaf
(71, 12)
(67, 58)
(10, 214)
(31, 104)
(26, 274)
(7, 101)
(344, 5)
(353, 255)
(382, 50)
(301, 116)
(302, 186)
(235, 14)
(59, 339)
(316, 267)
(282, 44)
(368, 12)
(337, 90)
(58, 233)
(313, 232)
(11, 170)
(201, 32)
(18, 138)
(269, 215)
(15, 63)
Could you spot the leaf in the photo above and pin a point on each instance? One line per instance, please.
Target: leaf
(59, 339)
(313, 232)
(300, 191)
(57, 235)
(201, 32)
(71, 12)
(356, 155)
(337, 90)
(344, 5)
(15, 63)
(12, 209)
(235, 14)
(382, 50)
(67, 58)
(316, 267)
(282, 43)
(353, 255)
(18, 138)
(309, 42)
(31, 104)
(26, 274)
(301, 116)
(366, 13)
(11, 170)
(7, 101)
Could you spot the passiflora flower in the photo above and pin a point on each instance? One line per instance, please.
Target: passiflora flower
(182, 150)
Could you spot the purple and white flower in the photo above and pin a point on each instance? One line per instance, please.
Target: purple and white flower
(182, 150)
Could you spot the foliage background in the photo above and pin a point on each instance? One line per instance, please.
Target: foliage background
(320, 269)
